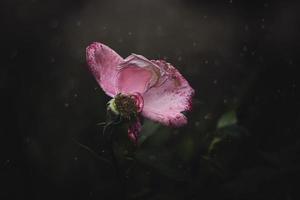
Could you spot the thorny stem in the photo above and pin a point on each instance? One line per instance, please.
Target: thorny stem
(109, 136)
(115, 162)
(110, 142)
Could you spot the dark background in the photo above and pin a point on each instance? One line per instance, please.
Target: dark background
(237, 55)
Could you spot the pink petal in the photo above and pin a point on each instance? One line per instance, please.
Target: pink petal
(134, 130)
(139, 101)
(103, 62)
(137, 74)
(166, 101)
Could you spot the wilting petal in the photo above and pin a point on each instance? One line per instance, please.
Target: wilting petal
(103, 62)
(134, 130)
(137, 74)
(166, 101)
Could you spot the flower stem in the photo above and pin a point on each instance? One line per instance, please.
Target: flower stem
(110, 143)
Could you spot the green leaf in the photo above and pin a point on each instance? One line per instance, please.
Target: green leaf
(149, 128)
(227, 119)
(215, 141)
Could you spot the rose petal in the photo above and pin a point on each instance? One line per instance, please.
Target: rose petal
(137, 74)
(166, 101)
(103, 62)
(139, 101)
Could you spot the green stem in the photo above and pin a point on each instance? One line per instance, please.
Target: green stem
(115, 162)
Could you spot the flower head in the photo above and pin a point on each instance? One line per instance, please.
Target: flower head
(140, 87)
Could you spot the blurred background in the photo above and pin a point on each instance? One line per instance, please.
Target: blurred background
(242, 140)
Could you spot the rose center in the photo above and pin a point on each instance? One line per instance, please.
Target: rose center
(127, 106)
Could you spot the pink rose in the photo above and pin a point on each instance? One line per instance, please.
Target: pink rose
(151, 88)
